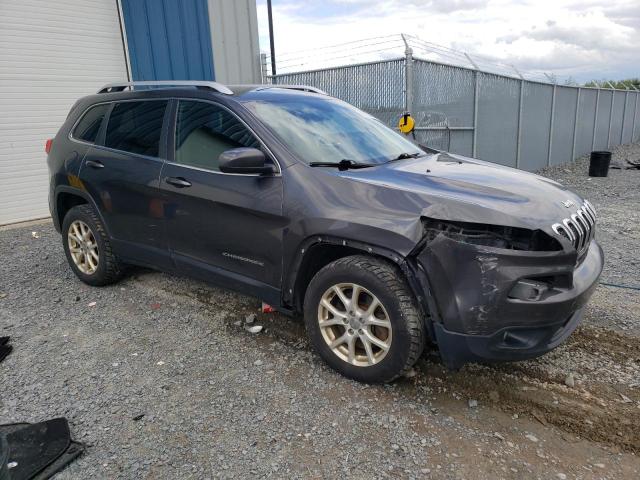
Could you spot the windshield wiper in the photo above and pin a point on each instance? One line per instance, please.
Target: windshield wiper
(343, 164)
(405, 156)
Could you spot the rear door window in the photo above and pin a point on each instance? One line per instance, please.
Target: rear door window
(89, 125)
(204, 131)
(136, 127)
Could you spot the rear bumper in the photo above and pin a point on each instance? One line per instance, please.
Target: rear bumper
(480, 311)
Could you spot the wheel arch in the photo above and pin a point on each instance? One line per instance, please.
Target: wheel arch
(66, 198)
(316, 252)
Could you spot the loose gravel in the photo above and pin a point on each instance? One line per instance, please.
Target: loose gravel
(159, 377)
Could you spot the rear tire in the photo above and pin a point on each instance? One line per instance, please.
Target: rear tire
(393, 329)
(87, 247)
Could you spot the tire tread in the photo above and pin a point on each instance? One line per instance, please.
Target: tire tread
(394, 281)
(113, 268)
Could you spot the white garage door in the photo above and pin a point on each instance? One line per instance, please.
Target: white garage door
(51, 53)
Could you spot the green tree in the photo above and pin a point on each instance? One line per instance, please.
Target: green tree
(621, 84)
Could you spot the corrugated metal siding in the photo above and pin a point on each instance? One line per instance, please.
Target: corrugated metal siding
(168, 39)
(234, 31)
(51, 53)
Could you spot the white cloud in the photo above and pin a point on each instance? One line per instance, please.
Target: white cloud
(584, 39)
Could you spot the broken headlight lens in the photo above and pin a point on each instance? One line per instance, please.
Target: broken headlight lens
(496, 236)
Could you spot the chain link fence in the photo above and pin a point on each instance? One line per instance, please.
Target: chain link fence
(507, 120)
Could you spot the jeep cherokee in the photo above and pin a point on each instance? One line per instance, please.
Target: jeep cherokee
(297, 198)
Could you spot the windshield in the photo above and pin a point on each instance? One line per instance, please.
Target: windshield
(317, 128)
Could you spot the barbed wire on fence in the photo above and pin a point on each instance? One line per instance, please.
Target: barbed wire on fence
(385, 47)
(471, 104)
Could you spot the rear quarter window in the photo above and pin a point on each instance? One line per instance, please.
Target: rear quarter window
(89, 125)
(136, 127)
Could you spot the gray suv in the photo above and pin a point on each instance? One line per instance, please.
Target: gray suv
(315, 207)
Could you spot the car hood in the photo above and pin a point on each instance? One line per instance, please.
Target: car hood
(459, 188)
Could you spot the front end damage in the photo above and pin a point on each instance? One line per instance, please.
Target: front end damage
(499, 293)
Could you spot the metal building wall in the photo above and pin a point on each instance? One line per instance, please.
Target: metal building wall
(168, 39)
(234, 35)
(51, 54)
(193, 40)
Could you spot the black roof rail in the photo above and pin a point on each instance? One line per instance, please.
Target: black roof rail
(121, 86)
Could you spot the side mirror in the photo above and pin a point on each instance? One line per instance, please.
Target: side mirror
(244, 160)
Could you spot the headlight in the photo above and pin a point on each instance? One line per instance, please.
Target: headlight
(496, 236)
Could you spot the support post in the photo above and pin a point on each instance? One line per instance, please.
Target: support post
(517, 72)
(271, 41)
(408, 76)
(263, 67)
(595, 121)
(475, 66)
(613, 98)
(476, 91)
(520, 106)
(575, 126)
(635, 113)
(553, 110)
(624, 115)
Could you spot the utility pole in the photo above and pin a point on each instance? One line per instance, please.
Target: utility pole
(273, 50)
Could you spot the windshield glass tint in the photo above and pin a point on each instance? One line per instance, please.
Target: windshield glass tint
(320, 129)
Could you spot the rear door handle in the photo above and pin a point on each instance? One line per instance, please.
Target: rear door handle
(95, 164)
(178, 182)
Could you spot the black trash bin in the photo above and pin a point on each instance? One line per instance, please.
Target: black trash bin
(599, 165)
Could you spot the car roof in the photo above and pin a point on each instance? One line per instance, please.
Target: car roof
(123, 91)
(212, 87)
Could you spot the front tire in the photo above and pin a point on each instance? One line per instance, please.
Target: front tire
(87, 247)
(363, 320)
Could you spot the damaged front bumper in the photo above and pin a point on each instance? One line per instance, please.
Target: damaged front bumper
(495, 304)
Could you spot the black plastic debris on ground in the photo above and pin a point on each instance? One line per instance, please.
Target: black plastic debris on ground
(37, 451)
(5, 349)
(626, 165)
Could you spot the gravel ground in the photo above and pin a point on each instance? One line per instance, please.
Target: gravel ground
(160, 379)
(617, 201)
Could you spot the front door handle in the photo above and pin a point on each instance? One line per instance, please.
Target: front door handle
(178, 182)
(95, 164)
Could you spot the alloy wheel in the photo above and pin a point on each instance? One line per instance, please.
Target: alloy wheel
(355, 325)
(83, 247)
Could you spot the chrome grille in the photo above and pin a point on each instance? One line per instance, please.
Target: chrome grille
(578, 228)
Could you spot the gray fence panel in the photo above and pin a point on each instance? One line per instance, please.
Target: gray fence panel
(465, 111)
(563, 123)
(617, 118)
(443, 97)
(536, 120)
(460, 142)
(587, 116)
(377, 88)
(497, 129)
(627, 124)
(602, 122)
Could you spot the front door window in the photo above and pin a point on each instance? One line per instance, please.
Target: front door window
(204, 131)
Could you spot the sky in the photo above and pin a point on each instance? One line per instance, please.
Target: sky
(581, 39)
